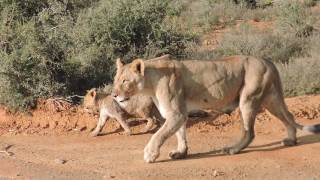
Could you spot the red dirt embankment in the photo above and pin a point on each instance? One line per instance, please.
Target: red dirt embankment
(51, 118)
(58, 118)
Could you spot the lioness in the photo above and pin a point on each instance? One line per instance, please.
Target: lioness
(138, 106)
(224, 84)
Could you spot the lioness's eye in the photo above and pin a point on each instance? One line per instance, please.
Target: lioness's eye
(124, 81)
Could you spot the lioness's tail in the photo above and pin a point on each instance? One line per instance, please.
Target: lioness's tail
(276, 105)
(290, 119)
(313, 128)
(310, 128)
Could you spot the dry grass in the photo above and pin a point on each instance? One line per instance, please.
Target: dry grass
(302, 75)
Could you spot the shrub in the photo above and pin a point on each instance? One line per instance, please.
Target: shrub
(127, 29)
(203, 15)
(301, 75)
(32, 55)
(106, 88)
(55, 47)
(309, 3)
(266, 45)
(294, 18)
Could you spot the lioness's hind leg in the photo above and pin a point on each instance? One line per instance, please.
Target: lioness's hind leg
(276, 106)
(248, 115)
(250, 102)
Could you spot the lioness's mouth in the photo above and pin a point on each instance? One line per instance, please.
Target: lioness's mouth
(125, 99)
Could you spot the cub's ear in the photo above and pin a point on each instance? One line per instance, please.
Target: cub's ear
(119, 63)
(137, 66)
(93, 92)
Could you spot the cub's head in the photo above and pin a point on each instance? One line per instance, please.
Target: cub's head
(89, 100)
(129, 80)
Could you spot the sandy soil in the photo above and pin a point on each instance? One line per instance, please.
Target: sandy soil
(46, 144)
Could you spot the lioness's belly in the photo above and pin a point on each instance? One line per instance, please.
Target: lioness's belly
(213, 85)
(215, 95)
(223, 106)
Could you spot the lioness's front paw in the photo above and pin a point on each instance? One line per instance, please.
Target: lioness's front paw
(177, 154)
(230, 150)
(128, 133)
(150, 155)
(289, 142)
(94, 133)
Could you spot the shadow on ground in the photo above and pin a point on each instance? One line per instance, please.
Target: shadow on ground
(303, 140)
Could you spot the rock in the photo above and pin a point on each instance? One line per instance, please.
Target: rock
(217, 173)
(109, 176)
(60, 161)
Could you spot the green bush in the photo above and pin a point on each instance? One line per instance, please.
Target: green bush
(32, 53)
(54, 47)
(294, 18)
(266, 45)
(203, 15)
(62, 47)
(310, 3)
(127, 29)
(301, 75)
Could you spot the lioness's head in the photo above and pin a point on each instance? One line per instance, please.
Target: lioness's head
(129, 80)
(89, 100)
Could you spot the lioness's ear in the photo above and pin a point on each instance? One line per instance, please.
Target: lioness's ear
(119, 63)
(137, 66)
(93, 92)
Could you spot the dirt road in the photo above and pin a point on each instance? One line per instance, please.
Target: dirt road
(71, 154)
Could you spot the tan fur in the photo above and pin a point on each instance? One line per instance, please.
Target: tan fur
(224, 84)
(137, 106)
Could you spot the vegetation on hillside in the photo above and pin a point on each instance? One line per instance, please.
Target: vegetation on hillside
(63, 47)
(55, 47)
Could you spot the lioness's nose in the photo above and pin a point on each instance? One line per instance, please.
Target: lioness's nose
(114, 94)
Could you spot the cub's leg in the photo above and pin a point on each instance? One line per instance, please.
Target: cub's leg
(150, 124)
(121, 120)
(101, 122)
(120, 115)
(146, 113)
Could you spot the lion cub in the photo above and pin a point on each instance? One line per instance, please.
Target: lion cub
(139, 106)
